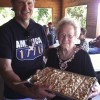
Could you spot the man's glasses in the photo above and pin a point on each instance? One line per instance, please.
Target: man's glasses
(29, 42)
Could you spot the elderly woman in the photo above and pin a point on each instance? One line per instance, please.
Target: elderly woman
(67, 56)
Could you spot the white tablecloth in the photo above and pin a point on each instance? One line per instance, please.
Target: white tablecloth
(95, 58)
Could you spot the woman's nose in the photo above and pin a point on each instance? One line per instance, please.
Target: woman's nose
(65, 38)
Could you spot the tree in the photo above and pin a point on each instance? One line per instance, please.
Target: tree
(1, 8)
(5, 14)
(79, 13)
(42, 15)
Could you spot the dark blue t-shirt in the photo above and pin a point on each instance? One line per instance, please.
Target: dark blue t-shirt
(24, 47)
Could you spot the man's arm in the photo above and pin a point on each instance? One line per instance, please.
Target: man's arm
(10, 77)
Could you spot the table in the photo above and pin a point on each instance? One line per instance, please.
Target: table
(95, 58)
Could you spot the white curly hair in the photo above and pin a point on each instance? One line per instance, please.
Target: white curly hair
(68, 21)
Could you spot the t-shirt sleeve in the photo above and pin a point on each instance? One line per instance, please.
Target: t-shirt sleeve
(86, 46)
(49, 57)
(52, 60)
(5, 44)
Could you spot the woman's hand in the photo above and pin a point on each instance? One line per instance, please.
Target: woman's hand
(41, 92)
(95, 90)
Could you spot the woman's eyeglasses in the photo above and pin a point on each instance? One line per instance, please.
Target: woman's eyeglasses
(66, 35)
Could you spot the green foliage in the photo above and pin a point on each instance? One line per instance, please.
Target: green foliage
(42, 15)
(5, 15)
(5, 12)
(1, 9)
(79, 13)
